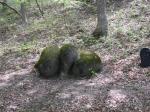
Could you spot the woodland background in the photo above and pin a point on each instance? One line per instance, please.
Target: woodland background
(122, 86)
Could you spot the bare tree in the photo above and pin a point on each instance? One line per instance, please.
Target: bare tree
(102, 23)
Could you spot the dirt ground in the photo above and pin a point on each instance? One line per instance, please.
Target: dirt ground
(122, 86)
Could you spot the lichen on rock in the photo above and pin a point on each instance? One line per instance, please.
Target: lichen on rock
(88, 64)
(49, 63)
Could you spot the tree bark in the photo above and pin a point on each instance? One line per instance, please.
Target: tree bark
(39, 7)
(23, 13)
(102, 23)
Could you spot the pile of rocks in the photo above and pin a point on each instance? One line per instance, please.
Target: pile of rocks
(68, 60)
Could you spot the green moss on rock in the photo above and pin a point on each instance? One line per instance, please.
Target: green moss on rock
(68, 55)
(89, 57)
(66, 47)
(88, 64)
(49, 62)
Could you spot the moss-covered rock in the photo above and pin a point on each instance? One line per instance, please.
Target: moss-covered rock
(68, 55)
(87, 65)
(49, 62)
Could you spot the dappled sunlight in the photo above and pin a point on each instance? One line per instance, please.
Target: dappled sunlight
(107, 58)
(63, 95)
(3, 84)
(137, 73)
(117, 75)
(83, 101)
(115, 97)
(12, 107)
(7, 77)
(90, 84)
(121, 85)
(118, 99)
(32, 92)
(106, 80)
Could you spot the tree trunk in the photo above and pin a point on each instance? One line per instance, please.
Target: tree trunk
(4, 7)
(41, 11)
(102, 23)
(23, 13)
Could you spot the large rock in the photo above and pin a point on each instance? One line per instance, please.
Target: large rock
(49, 62)
(68, 56)
(87, 65)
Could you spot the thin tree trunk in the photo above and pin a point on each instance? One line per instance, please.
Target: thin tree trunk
(39, 7)
(102, 23)
(23, 13)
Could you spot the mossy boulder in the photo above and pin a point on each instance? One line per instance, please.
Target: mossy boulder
(68, 56)
(49, 63)
(87, 65)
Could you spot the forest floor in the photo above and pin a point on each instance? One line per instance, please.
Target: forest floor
(122, 86)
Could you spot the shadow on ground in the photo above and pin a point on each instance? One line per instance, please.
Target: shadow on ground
(112, 90)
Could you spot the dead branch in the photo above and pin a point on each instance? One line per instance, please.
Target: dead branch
(39, 7)
(5, 4)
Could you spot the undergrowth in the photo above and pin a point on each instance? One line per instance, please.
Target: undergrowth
(128, 28)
